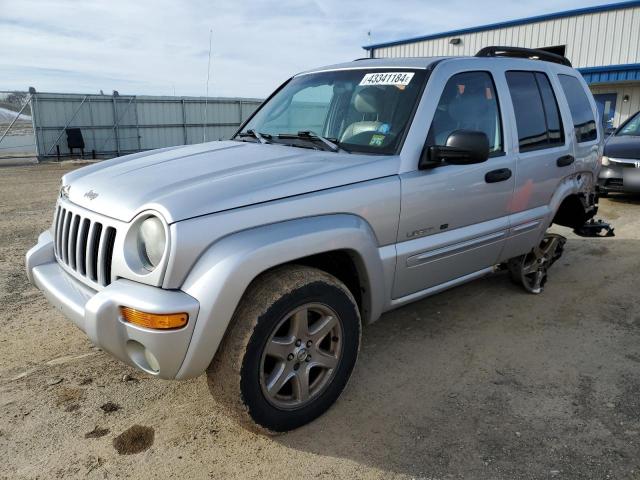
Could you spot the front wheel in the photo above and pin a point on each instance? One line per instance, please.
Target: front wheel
(289, 351)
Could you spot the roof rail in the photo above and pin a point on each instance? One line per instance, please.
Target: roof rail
(518, 52)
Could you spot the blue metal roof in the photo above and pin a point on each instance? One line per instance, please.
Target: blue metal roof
(511, 23)
(611, 73)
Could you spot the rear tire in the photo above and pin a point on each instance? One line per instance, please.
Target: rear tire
(289, 350)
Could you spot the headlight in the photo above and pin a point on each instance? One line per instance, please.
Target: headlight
(145, 248)
(604, 161)
(151, 242)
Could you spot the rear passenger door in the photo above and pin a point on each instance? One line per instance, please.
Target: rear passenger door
(545, 157)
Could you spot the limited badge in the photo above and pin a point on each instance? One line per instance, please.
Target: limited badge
(376, 140)
(387, 78)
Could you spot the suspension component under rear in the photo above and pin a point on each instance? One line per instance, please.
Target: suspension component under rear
(595, 228)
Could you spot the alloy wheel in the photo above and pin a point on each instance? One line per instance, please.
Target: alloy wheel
(301, 356)
(531, 270)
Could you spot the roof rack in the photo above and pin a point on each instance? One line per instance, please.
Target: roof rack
(518, 52)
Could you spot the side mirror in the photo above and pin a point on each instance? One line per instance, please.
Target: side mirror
(463, 147)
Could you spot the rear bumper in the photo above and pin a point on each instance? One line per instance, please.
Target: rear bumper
(616, 178)
(97, 313)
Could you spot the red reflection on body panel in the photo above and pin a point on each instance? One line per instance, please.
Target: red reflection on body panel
(521, 197)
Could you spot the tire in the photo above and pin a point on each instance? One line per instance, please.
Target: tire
(261, 348)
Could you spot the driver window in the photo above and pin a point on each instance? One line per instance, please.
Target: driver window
(468, 102)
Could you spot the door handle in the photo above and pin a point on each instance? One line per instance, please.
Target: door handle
(565, 160)
(499, 175)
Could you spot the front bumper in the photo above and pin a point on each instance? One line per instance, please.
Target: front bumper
(97, 313)
(618, 178)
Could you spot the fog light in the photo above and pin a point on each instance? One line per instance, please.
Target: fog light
(151, 360)
(163, 321)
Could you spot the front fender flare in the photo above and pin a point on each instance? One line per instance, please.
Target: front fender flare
(222, 274)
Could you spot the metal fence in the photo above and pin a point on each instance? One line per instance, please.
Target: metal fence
(16, 127)
(113, 125)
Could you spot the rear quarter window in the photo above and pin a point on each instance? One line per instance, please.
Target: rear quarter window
(584, 121)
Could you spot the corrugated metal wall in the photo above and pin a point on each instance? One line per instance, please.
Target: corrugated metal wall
(602, 38)
(623, 109)
(116, 125)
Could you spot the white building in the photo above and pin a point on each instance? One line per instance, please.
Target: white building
(602, 42)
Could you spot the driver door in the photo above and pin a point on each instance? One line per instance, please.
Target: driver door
(455, 218)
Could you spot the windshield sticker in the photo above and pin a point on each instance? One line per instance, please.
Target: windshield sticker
(384, 128)
(387, 78)
(376, 140)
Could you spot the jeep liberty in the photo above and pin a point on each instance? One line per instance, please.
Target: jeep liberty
(354, 189)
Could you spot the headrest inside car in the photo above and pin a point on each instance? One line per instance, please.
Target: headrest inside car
(368, 100)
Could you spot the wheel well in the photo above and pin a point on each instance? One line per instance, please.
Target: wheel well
(345, 266)
(573, 212)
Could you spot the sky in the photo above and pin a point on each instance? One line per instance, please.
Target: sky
(161, 47)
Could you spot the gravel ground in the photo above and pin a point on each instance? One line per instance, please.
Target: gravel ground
(481, 382)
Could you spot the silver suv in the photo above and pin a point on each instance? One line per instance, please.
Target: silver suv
(354, 189)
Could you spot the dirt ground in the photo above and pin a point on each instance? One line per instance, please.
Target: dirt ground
(481, 382)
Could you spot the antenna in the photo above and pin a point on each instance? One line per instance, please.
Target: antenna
(206, 97)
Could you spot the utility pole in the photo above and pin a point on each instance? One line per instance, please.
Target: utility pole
(206, 97)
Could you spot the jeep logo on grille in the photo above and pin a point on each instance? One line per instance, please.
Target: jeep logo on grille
(91, 195)
(64, 191)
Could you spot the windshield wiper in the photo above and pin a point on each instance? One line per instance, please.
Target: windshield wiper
(261, 137)
(332, 144)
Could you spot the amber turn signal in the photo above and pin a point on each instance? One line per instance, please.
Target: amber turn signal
(163, 321)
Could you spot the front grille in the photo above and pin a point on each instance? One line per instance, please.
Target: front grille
(613, 182)
(629, 165)
(84, 245)
(625, 163)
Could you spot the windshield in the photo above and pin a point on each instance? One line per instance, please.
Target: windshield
(632, 127)
(357, 110)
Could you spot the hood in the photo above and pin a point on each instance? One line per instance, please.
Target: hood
(185, 182)
(624, 146)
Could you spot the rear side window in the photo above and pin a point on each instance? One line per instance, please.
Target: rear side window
(583, 120)
(551, 110)
(537, 116)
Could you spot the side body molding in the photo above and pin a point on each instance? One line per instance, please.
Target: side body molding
(225, 270)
